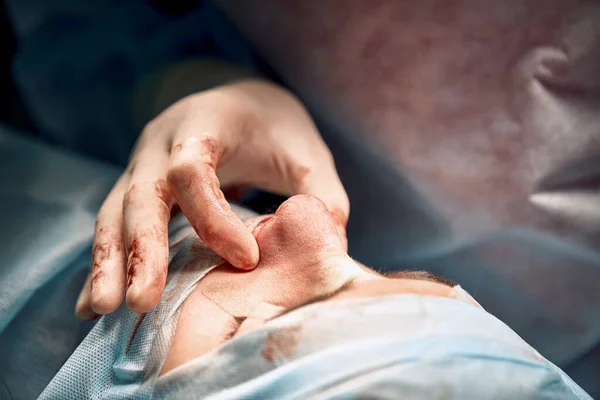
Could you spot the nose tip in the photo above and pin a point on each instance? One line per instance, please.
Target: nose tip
(302, 223)
(307, 213)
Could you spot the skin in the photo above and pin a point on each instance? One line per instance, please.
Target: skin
(302, 261)
(248, 132)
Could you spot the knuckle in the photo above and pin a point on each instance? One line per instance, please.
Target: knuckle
(148, 194)
(204, 149)
(299, 173)
(182, 162)
(210, 150)
(339, 216)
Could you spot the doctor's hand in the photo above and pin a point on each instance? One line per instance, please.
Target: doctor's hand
(250, 132)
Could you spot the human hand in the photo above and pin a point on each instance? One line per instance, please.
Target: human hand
(250, 132)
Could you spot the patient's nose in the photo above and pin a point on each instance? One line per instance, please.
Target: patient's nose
(300, 231)
(301, 257)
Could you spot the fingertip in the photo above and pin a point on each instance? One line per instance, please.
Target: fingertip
(246, 257)
(107, 288)
(141, 300)
(104, 303)
(231, 239)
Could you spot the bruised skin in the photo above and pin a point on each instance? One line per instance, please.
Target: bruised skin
(302, 257)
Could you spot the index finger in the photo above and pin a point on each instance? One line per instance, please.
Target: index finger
(194, 184)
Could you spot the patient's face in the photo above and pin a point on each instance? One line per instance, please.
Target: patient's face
(302, 261)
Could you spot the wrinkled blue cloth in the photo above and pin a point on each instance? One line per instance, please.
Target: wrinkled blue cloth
(48, 205)
(402, 346)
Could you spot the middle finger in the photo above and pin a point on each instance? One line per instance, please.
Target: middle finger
(146, 213)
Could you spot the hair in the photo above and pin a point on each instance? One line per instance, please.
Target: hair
(421, 276)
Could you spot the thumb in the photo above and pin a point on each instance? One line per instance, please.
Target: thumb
(323, 182)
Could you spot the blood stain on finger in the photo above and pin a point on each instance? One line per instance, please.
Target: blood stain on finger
(211, 150)
(97, 275)
(182, 176)
(135, 260)
(100, 253)
(138, 193)
(157, 237)
(131, 274)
